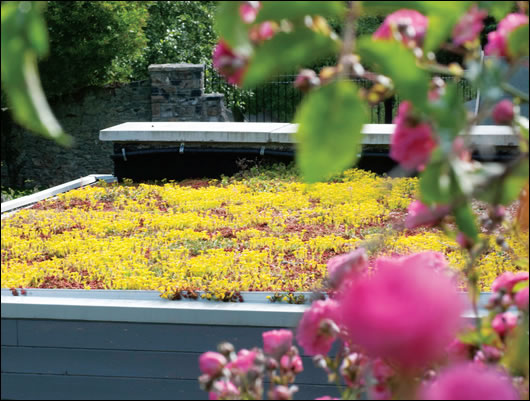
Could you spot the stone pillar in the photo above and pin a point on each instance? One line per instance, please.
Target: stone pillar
(177, 94)
(176, 91)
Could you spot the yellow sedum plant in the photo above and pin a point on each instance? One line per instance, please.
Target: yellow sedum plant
(225, 237)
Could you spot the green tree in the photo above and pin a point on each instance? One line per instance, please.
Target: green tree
(89, 41)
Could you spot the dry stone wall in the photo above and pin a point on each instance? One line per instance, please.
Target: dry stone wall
(174, 92)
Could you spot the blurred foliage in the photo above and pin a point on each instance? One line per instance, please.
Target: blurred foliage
(24, 40)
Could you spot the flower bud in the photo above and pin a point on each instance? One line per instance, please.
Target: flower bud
(503, 323)
(277, 342)
(280, 393)
(503, 112)
(306, 80)
(211, 363)
(225, 348)
(248, 10)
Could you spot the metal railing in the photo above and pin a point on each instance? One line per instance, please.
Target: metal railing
(277, 100)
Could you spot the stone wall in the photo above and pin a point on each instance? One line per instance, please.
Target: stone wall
(175, 92)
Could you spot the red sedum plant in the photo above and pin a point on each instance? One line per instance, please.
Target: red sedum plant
(397, 320)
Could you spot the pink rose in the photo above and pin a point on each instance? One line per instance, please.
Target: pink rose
(431, 260)
(223, 389)
(277, 342)
(229, 64)
(498, 40)
(341, 266)
(506, 281)
(504, 322)
(469, 382)
(248, 10)
(244, 361)
(419, 214)
(411, 24)
(292, 364)
(469, 26)
(412, 141)
(521, 299)
(318, 328)
(503, 112)
(211, 363)
(405, 312)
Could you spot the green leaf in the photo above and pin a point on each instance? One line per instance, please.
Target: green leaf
(520, 286)
(22, 22)
(449, 114)
(504, 190)
(230, 26)
(287, 51)
(442, 19)
(435, 181)
(329, 135)
(473, 337)
(518, 42)
(466, 222)
(498, 9)
(394, 60)
(278, 10)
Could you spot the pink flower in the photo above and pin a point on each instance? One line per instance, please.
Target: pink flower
(223, 389)
(292, 364)
(432, 260)
(419, 214)
(498, 40)
(318, 328)
(506, 281)
(211, 363)
(306, 80)
(503, 112)
(504, 322)
(460, 149)
(248, 10)
(244, 361)
(263, 31)
(380, 392)
(464, 241)
(412, 141)
(469, 382)
(411, 24)
(326, 397)
(469, 26)
(341, 266)
(382, 372)
(229, 64)
(492, 354)
(521, 298)
(459, 351)
(406, 312)
(281, 393)
(277, 342)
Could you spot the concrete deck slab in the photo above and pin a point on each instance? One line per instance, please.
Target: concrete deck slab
(273, 133)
